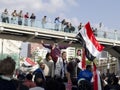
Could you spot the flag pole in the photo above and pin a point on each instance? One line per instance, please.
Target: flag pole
(83, 59)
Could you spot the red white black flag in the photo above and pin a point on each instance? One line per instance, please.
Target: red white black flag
(87, 39)
(29, 62)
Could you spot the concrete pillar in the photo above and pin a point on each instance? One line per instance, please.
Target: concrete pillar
(118, 66)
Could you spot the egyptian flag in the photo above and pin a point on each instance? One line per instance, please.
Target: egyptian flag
(87, 39)
(96, 77)
(29, 62)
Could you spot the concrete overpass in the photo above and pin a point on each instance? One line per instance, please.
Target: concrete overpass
(34, 34)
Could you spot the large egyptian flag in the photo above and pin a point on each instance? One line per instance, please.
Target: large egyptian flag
(87, 39)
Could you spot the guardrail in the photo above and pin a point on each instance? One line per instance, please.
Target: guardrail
(99, 32)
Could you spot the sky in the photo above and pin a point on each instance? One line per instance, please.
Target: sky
(75, 11)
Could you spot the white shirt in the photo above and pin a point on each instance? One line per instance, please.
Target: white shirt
(37, 88)
(50, 65)
(59, 65)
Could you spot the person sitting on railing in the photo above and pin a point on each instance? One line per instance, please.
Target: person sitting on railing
(63, 23)
(57, 23)
(14, 17)
(20, 17)
(67, 28)
(71, 28)
(44, 21)
(4, 16)
(26, 17)
(32, 17)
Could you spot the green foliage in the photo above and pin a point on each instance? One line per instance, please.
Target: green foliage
(39, 59)
(88, 62)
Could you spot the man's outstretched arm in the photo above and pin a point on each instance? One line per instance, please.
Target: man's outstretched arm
(46, 45)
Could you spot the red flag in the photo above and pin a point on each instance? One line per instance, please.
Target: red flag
(86, 37)
(96, 78)
(83, 59)
(29, 62)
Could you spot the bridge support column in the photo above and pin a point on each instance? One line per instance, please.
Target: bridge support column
(118, 66)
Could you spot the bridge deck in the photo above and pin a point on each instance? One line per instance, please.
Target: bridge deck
(34, 34)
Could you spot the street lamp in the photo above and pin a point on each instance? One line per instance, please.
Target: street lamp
(2, 41)
(115, 32)
(1, 29)
(108, 66)
(65, 38)
(19, 57)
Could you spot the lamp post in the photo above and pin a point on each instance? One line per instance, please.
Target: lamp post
(19, 57)
(108, 63)
(2, 42)
(115, 32)
(108, 66)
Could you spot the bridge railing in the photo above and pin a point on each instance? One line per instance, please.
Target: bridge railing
(99, 32)
(114, 35)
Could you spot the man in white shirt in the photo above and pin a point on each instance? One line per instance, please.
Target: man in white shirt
(50, 64)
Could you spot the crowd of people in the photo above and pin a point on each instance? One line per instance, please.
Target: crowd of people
(29, 20)
(18, 17)
(55, 72)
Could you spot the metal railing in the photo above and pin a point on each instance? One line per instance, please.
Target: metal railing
(99, 32)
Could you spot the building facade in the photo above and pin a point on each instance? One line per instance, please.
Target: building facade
(39, 50)
(9, 46)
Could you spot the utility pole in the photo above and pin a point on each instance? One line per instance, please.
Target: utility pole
(2, 42)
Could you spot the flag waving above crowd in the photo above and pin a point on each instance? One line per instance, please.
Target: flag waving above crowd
(92, 49)
(87, 39)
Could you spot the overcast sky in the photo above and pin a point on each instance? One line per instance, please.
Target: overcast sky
(75, 11)
(95, 11)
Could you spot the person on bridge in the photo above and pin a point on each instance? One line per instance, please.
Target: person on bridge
(5, 16)
(55, 49)
(32, 19)
(57, 23)
(14, 17)
(44, 21)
